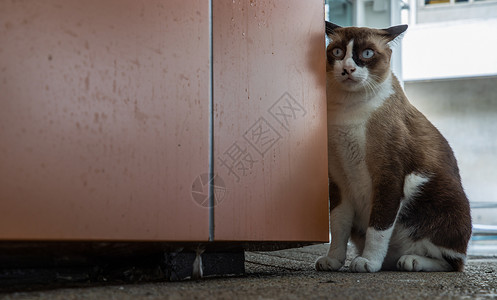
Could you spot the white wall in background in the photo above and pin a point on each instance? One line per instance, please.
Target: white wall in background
(449, 50)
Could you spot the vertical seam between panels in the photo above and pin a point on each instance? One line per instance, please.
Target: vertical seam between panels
(211, 128)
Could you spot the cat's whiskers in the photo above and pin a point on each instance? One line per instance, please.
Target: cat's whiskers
(371, 87)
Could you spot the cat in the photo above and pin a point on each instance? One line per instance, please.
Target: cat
(394, 183)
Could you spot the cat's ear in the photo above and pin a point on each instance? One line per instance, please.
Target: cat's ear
(394, 34)
(330, 27)
(394, 31)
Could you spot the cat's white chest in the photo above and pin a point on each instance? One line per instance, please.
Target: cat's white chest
(350, 144)
(348, 166)
(348, 169)
(348, 116)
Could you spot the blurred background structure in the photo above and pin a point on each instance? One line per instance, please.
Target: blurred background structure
(449, 70)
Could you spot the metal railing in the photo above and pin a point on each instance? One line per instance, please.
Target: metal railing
(481, 229)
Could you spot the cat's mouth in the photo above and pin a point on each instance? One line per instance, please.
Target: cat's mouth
(349, 80)
(350, 83)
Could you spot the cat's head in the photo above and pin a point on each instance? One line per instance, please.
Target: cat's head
(359, 58)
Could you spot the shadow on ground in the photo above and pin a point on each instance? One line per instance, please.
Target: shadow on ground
(289, 274)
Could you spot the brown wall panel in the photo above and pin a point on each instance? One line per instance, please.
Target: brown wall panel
(270, 120)
(103, 119)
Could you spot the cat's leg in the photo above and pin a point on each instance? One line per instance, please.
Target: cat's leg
(375, 250)
(424, 256)
(388, 193)
(341, 217)
(386, 196)
(426, 246)
(404, 254)
(416, 263)
(341, 223)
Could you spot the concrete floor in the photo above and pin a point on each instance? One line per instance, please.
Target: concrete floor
(289, 274)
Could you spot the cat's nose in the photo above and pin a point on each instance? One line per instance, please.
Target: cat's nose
(348, 71)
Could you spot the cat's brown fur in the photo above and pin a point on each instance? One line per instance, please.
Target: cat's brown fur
(401, 152)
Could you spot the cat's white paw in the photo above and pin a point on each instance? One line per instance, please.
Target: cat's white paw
(409, 263)
(363, 265)
(326, 263)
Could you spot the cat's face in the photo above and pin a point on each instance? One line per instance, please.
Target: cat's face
(359, 58)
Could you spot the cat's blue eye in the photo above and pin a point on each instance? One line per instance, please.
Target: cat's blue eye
(337, 52)
(368, 53)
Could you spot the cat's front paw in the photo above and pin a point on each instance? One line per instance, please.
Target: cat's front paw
(326, 263)
(364, 265)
